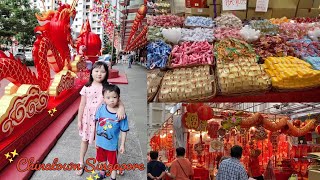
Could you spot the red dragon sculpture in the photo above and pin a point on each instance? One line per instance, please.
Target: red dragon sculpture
(49, 50)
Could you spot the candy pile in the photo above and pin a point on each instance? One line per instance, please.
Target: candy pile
(197, 34)
(305, 47)
(228, 20)
(230, 50)
(305, 19)
(314, 61)
(224, 33)
(199, 21)
(314, 34)
(272, 46)
(191, 53)
(279, 20)
(165, 21)
(186, 83)
(158, 53)
(242, 76)
(265, 27)
(249, 34)
(293, 30)
(154, 33)
(291, 73)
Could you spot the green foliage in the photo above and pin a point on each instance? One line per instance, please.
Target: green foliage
(18, 20)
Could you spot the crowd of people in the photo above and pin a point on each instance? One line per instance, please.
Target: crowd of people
(229, 167)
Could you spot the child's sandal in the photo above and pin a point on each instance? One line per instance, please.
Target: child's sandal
(80, 172)
(121, 173)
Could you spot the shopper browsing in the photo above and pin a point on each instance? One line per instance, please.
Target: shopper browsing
(91, 99)
(231, 168)
(181, 167)
(254, 165)
(108, 129)
(155, 168)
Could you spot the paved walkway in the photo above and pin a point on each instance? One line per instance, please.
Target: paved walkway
(134, 97)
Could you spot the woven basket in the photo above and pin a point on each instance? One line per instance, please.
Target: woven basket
(188, 84)
(154, 78)
(242, 79)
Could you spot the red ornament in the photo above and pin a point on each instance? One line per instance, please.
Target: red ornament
(213, 128)
(205, 113)
(193, 107)
(142, 10)
(317, 130)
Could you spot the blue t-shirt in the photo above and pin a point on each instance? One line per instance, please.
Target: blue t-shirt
(108, 128)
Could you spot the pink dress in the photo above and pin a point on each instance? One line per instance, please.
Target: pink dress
(94, 98)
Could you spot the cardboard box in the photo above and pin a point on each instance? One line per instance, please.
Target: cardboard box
(200, 11)
(198, 4)
(314, 12)
(277, 3)
(211, 10)
(281, 12)
(305, 4)
(211, 2)
(240, 14)
(313, 174)
(251, 13)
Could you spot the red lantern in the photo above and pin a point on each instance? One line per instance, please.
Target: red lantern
(213, 128)
(317, 129)
(142, 10)
(193, 107)
(205, 113)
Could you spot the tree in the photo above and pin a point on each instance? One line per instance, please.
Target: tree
(17, 20)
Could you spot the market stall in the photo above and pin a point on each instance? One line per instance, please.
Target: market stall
(274, 58)
(208, 132)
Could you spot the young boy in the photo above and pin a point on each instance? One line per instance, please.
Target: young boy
(108, 128)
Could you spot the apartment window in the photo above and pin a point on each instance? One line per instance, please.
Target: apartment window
(87, 0)
(87, 7)
(87, 14)
(76, 19)
(94, 22)
(98, 29)
(95, 15)
(93, 29)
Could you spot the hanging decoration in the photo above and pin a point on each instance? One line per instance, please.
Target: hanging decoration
(106, 13)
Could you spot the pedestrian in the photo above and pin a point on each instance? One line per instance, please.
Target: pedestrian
(231, 168)
(130, 59)
(108, 130)
(181, 167)
(91, 99)
(155, 168)
(254, 165)
(220, 160)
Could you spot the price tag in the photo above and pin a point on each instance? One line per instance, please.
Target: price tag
(230, 5)
(200, 10)
(262, 5)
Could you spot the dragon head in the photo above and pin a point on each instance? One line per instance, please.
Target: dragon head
(55, 25)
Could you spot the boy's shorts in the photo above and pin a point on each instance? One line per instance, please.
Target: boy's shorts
(105, 155)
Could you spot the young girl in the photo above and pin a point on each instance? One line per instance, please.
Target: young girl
(91, 99)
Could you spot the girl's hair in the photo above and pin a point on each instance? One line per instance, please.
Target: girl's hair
(96, 65)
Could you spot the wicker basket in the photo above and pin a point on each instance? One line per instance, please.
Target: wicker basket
(154, 78)
(242, 78)
(188, 84)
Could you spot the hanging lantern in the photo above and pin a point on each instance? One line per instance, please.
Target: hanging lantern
(205, 113)
(142, 10)
(317, 129)
(213, 128)
(193, 107)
